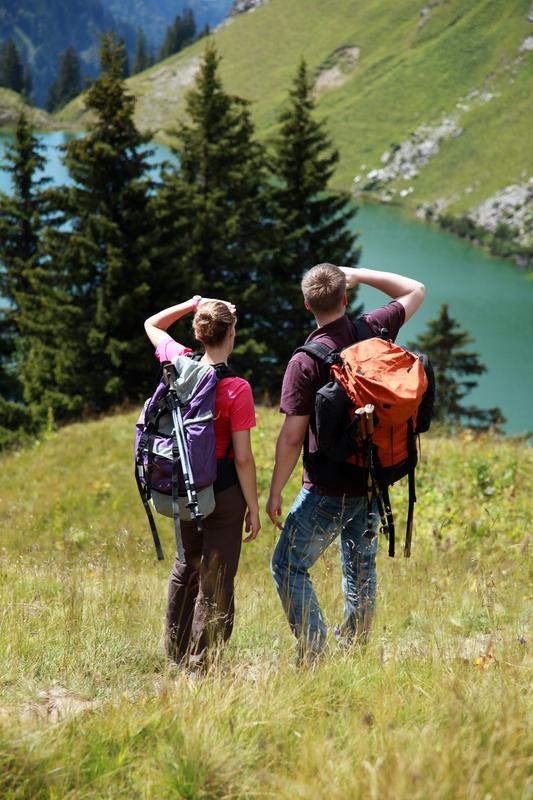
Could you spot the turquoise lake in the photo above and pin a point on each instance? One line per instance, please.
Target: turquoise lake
(491, 298)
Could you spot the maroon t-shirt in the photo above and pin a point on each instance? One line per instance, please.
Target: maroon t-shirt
(305, 375)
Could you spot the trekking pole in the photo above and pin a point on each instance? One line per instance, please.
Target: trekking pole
(382, 499)
(179, 431)
(367, 441)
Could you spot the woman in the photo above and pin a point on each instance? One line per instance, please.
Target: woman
(201, 609)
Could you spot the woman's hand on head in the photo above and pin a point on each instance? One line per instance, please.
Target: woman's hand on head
(227, 303)
(252, 523)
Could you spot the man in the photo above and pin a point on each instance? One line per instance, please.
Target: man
(329, 504)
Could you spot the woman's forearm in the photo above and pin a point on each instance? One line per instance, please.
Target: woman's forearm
(247, 478)
(157, 325)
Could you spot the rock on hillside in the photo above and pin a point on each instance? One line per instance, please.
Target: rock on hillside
(240, 6)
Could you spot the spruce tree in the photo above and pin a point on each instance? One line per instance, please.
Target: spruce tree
(315, 225)
(108, 248)
(142, 58)
(11, 69)
(221, 184)
(29, 281)
(67, 85)
(454, 365)
(178, 35)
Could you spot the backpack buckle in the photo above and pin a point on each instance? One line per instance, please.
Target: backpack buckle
(333, 358)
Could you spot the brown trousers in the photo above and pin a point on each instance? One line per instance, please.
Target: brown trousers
(201, 606)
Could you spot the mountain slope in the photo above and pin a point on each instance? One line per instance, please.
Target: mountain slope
(447, 86)
(42, 30)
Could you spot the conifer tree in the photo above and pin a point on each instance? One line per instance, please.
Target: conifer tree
(454, 365)
(142, 58)
(28, 281)
(67, 85)
(108, 247)
(221, 183)
(316, 225)
(11, 69)
(178, 35)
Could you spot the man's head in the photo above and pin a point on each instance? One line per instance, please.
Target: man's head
(324, 290)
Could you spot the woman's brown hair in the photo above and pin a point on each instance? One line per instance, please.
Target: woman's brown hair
(212, 321)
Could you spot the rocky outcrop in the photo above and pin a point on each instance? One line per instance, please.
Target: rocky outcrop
(405, 160)
(240, 6)
(336, 70)
(511, 206)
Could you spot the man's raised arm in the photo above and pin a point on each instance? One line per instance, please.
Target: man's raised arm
(407, 291)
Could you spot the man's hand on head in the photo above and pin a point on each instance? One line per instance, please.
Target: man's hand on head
(351, 277)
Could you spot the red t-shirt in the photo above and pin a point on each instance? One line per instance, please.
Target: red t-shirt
(234, 402)
(305, 375)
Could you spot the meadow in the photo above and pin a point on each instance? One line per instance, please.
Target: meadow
(438, 704)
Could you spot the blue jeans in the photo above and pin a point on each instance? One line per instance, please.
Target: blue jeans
(313, 523)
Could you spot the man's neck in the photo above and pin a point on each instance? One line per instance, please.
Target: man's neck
(325, 319)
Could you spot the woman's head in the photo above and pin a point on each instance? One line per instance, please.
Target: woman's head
(212, 321)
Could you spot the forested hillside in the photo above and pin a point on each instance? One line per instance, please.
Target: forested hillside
(430, 105)
(43, 30)
(154, 15)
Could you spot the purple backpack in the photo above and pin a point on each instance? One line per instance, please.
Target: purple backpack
(175, 449)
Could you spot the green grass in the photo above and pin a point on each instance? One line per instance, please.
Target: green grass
(438, 705)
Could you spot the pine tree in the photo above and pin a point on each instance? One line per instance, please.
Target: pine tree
(178, 35)
(67, 85)
(316, 225)
(29, 282)
(221, 185)
(142, 58)
(11, 69)
(109, 245)
(444, 342)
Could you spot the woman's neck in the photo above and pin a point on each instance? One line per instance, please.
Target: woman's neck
(215, 355)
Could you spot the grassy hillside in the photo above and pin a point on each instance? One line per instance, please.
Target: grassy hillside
(10, 105)
(385, 69)
(436, 706)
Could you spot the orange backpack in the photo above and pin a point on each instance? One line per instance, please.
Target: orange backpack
(367, 419)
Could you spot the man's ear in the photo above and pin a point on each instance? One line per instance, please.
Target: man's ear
(345, 299)
(306, 304)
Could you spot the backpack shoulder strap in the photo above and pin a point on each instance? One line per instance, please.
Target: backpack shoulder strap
(223, 371)
(362, 330)
(321, 351)
(330, 355)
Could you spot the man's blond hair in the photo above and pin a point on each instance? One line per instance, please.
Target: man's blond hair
(323, 287)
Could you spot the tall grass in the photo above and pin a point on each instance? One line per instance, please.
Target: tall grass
(438, 704)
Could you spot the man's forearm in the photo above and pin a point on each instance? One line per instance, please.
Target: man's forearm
(407, 291)
(287, 455)
(388, 282)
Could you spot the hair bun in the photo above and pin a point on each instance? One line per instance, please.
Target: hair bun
(212, 321)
